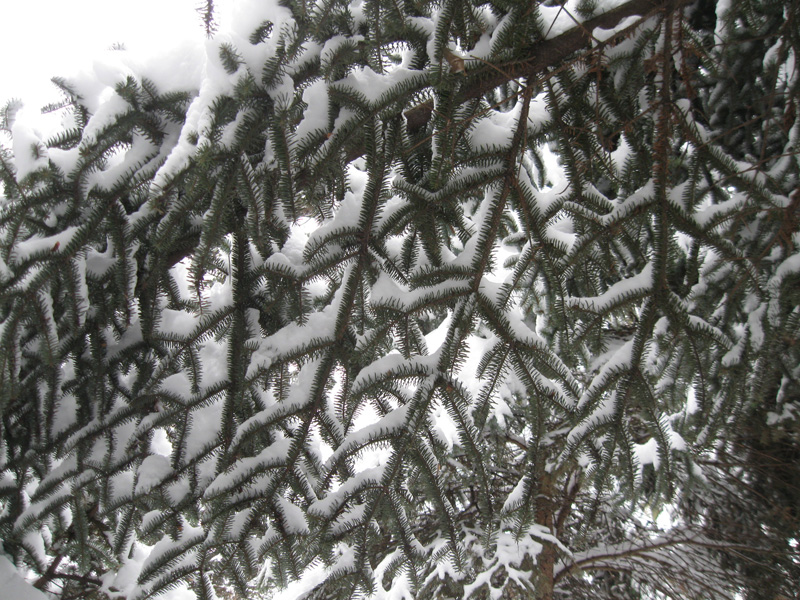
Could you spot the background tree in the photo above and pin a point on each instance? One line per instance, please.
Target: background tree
(414, 300)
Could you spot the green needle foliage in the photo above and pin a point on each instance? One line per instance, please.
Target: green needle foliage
(410, 299)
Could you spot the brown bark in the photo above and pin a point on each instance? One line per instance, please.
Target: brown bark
(541, 56)
(545, 515)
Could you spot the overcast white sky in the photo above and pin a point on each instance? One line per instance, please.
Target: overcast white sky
(43, 38)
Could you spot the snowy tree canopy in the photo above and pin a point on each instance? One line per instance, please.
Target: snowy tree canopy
(405, 299)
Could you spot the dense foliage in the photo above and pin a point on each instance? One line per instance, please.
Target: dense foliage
(413, 300)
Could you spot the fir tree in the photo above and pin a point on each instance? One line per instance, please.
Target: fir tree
(414, 300)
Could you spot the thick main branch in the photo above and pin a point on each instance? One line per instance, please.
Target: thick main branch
(542, 56)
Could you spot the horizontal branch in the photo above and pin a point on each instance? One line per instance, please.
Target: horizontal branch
(600, 558)
(543, 55)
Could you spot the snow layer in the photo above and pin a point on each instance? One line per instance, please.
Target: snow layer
(13, 586)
